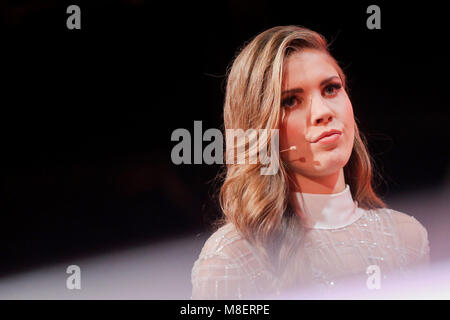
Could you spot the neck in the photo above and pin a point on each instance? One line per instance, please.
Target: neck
(328, 184)
(326, 211)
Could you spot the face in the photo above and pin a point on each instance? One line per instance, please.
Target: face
(315, 102)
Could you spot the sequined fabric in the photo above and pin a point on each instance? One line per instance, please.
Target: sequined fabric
(229, 268)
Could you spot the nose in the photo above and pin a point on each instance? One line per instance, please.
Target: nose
(321, 113)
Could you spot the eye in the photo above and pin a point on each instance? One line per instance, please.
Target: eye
(332, 89)
(290, 102)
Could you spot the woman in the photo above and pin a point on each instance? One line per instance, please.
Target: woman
(317, 220)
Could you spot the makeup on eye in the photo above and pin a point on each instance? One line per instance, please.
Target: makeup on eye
(335, 86)
(287, 102)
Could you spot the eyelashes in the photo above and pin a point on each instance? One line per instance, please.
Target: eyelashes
(335, 86)
(288, 102)
(291, 101)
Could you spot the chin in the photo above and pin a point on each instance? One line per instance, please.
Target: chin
(330, 165)
(320, 170)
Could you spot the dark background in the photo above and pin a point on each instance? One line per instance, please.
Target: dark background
(87, 115)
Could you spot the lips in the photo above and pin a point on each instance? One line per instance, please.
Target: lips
(326, 134)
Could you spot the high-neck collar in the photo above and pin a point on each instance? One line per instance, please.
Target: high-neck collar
(326, 211)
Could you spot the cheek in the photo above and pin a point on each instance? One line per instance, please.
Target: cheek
(348, 109)
(349, 119)
(348, 122)
(291, 130)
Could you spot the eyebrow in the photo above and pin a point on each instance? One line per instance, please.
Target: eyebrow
(300, 90)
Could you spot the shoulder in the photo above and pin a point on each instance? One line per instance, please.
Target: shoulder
(407, 223)
(412, 234)
(224, 266)
(224, 242)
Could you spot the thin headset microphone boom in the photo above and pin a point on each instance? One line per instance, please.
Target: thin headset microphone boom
(288, 149)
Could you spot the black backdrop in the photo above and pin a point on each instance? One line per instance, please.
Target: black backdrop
(87, 115)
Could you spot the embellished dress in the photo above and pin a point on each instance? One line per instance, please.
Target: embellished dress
(339, 239)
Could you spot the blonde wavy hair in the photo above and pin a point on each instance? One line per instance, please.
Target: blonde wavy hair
(258, 205)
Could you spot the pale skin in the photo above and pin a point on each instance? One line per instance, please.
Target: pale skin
(314, 101)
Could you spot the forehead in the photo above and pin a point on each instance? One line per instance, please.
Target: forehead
(309, 66)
